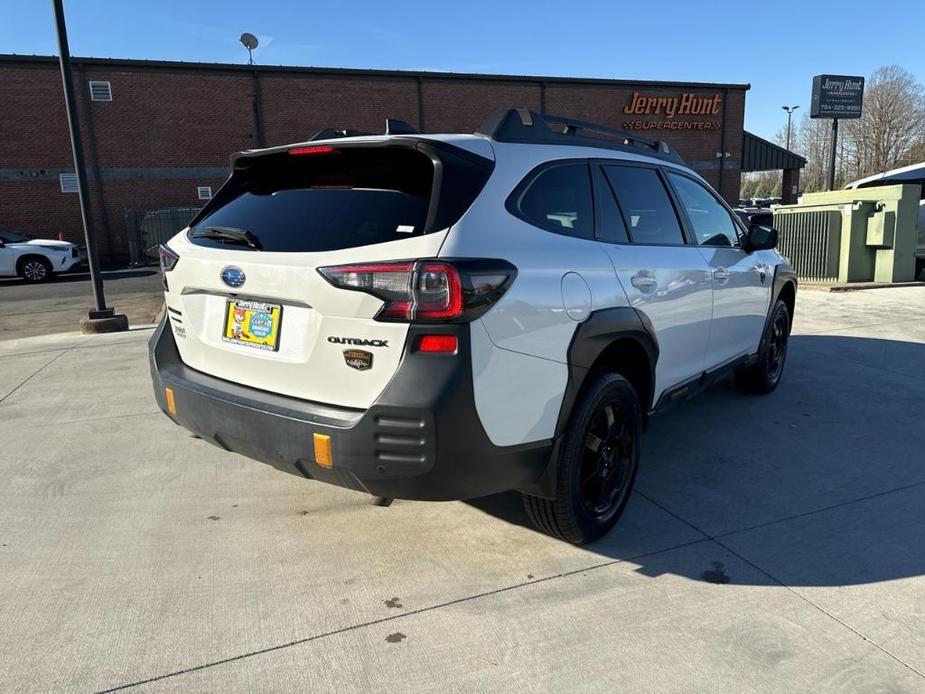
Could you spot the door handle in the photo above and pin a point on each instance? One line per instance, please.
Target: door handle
(643, 282)
(721, 275)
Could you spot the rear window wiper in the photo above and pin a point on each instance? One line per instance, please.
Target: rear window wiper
(233, 234)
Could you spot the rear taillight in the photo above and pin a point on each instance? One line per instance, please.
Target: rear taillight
(430, 291)
(169, 261)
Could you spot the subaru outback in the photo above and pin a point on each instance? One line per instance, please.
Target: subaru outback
(439, 317)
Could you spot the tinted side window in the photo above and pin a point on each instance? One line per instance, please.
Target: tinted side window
(609, 225)
(559, 199)
(711, 222)
(647, 209)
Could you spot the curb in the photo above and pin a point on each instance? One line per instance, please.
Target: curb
(857, 286)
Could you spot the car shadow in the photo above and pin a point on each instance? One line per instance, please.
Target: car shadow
(821, 483)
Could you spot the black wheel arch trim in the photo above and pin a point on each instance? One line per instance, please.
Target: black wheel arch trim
(782, 277)
(592, 337)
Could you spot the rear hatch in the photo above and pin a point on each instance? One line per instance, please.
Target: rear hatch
(245, 297)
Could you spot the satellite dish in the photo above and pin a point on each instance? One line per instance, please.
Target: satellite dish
(249, 40)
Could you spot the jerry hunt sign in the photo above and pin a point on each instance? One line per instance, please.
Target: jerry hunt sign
(837, 96)
(667, 109)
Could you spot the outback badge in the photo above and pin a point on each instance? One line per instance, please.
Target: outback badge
(359, 359)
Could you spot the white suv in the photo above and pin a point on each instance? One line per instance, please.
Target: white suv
(37, 260)
(448, 316)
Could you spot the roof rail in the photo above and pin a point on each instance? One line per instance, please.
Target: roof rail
(523, 126)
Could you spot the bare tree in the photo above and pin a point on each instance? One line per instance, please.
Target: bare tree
(813, 141)
(892, 124)
(890, 133)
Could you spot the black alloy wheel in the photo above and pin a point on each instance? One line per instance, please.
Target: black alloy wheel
(765, 374)
(596, 463)
(607, 462)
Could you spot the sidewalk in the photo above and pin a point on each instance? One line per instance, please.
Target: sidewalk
(773, 544)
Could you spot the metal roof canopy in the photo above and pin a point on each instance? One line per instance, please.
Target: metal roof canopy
(760, 155)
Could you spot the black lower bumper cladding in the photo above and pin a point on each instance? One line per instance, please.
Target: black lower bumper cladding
(422, 439)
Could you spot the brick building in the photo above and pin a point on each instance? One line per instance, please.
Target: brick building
(156, 133)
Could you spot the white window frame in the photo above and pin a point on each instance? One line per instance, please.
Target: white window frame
(204, 192)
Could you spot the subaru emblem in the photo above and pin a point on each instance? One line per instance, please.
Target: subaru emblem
(233, 276)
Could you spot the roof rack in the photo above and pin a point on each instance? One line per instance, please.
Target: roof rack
(523, 126)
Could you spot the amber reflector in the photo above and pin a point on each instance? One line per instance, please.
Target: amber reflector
(323, 450)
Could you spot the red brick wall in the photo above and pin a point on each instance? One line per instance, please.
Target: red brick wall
(461, 106)
(167, 118)
(295, 108)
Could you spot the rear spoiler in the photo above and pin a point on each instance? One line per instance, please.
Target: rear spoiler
(458, 173)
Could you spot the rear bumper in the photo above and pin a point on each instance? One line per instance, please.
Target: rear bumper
(421, 439)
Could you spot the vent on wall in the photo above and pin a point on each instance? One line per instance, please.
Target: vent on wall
(100, 91)
(68, 182)
(204, 192)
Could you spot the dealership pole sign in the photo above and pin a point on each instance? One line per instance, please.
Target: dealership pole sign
(836, 97)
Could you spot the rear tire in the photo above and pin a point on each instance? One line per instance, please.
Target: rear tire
(764, 375)
(35, 269)
(596, 465)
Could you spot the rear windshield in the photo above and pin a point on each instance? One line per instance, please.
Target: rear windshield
(322, 202)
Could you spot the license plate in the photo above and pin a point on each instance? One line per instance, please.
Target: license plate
(252, 323)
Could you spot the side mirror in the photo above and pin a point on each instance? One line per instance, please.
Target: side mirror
(760, 238)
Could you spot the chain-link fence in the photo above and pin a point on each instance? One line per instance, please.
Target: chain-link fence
(146, 229)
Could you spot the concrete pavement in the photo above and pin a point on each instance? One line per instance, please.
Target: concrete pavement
(773, 544)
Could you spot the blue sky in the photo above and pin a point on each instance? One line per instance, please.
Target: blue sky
(776, 46)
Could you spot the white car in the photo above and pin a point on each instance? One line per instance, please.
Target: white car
(37, 260)
(449, 316)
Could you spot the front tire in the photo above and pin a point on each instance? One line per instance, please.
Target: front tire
(596, 465)
(35, 269)
(764, 375)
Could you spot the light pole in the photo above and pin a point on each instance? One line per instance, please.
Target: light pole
(789, 110)
(102, 319)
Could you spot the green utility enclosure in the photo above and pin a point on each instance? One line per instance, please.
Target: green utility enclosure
(863, 235)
